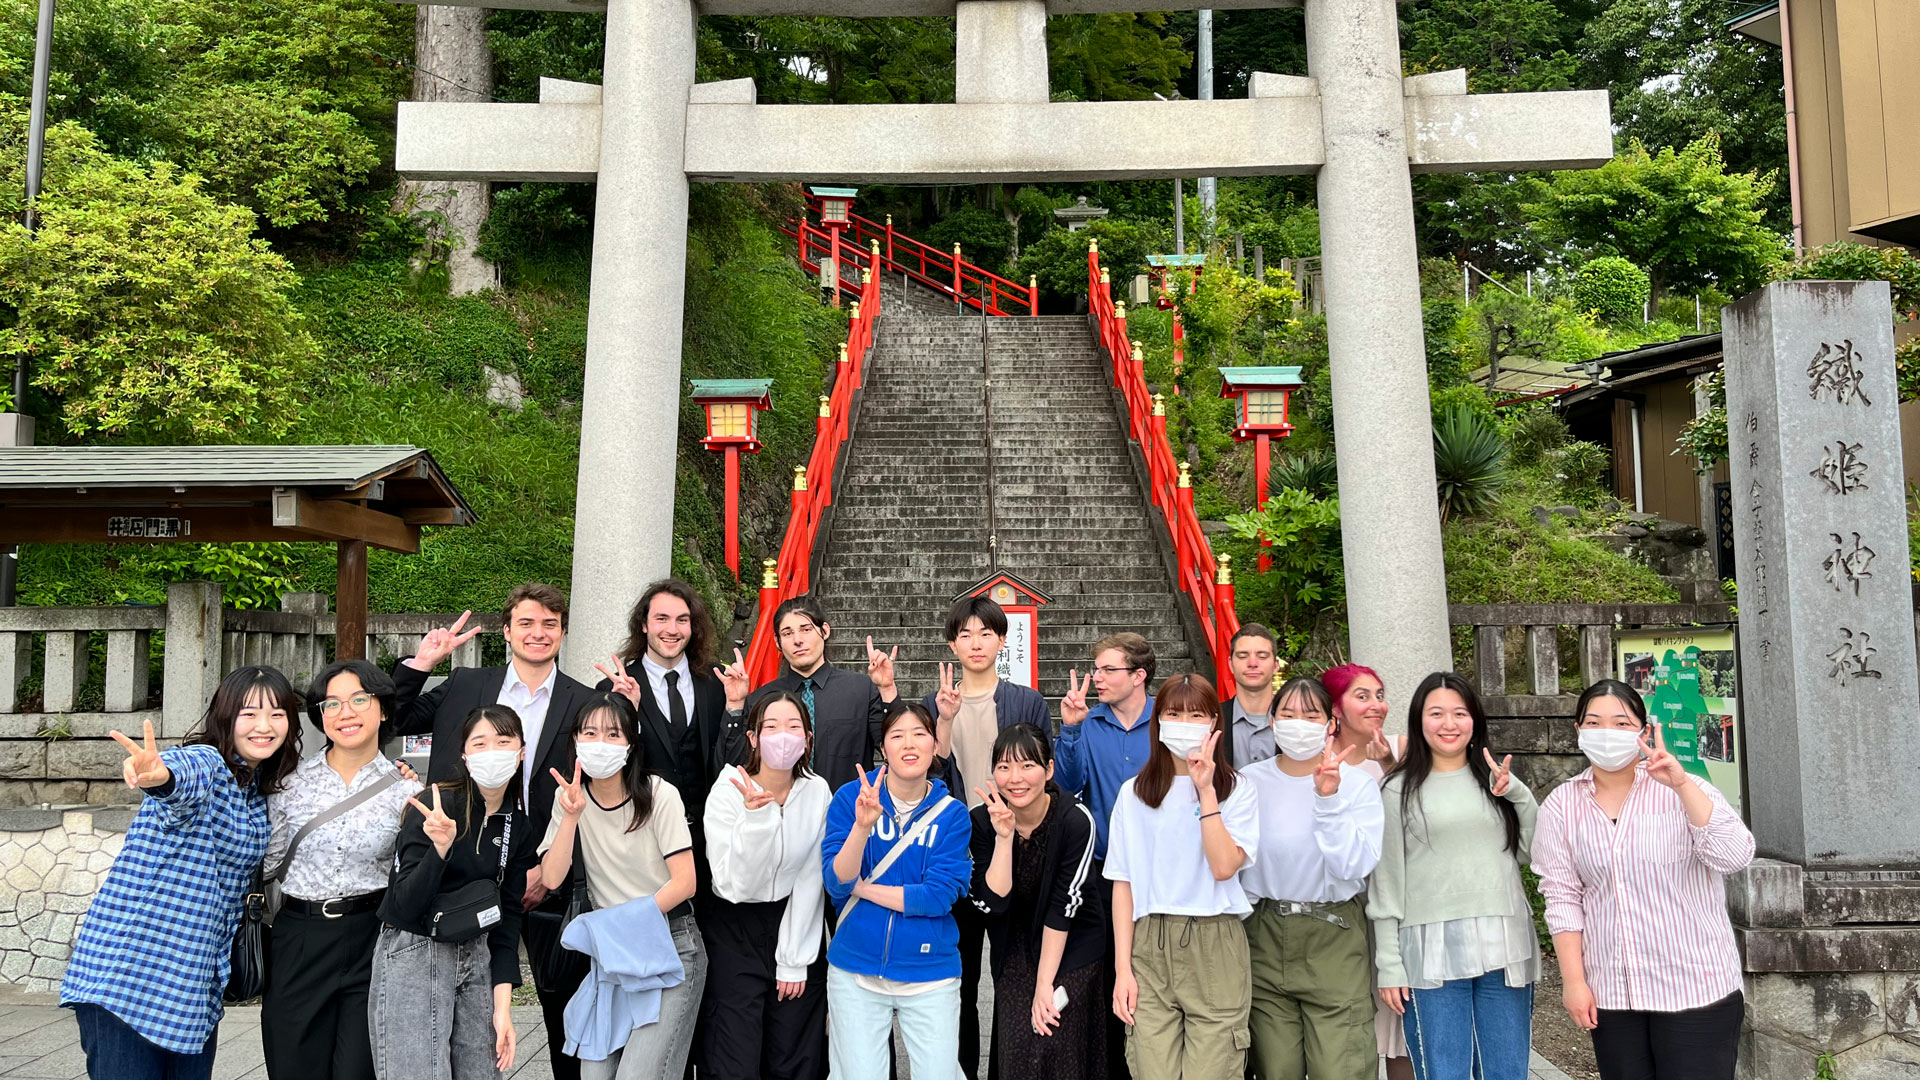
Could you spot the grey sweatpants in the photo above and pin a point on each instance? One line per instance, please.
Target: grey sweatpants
(430, 1008)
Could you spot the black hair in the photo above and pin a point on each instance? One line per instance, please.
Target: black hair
(990, 614)
(636, 777)
(372, 680)
(1611, 688)
(902, 709)
(759, 716)
(1417, 765)
(216, 726)
(805, 605)
(1304, 685)
(1022, 742)
(505, 722)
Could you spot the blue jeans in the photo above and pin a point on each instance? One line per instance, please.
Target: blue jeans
(860, 1030)
(1480, 1028)
(117, 1052)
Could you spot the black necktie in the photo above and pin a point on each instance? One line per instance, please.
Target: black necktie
(676, 709)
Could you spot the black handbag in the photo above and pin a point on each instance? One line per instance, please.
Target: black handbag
(468, 911)
(563, 968)
(248, 978)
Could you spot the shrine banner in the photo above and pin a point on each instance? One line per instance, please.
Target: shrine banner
(1690, 680)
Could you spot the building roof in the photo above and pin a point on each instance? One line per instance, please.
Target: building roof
(202, 466)
(1762, 23)
(833, 192)
(1247, 378)
(1177, 260)
(1683, 358)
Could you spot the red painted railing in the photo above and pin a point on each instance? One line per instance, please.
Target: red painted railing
(1206, 581)
(854, 248)
(786, 576)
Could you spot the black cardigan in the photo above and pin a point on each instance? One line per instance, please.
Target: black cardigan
(1076, 902)
(420, 875)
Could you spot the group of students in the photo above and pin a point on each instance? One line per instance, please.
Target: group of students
(709, 876)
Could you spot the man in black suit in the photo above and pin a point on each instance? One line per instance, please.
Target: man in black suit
(545, 699)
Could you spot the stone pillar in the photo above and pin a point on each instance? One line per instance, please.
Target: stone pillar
(192, 667)
(1390, 517)
(1000, 51)
(1828, 680)
(454, 63)
(630, 417)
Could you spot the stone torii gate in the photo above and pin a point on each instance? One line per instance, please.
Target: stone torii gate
(649, 130)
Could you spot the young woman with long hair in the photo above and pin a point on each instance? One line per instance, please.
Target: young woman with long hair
(894, 858)
(154, 952)
(1453, 933)
(765, 1011)
(1632, 856)
(1032, 860)
(1182, 831)
(1320, 823)
(444, 971)
(629, 829)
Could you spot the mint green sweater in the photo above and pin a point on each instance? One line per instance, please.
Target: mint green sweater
(1448, 862)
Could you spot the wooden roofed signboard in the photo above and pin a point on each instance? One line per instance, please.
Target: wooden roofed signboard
(350, 496)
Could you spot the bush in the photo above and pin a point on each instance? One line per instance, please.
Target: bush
(1581, 468)
(1059, 259)
(1615, 288)
(1311, 471)
(983, 235)
(1469, 461)
(1534, 431)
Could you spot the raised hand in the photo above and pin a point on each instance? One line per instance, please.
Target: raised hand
(1502, 776)
(1661, 765)
(948, 697)
(435, 823)
(406, 771)
(1378, 749)
(880, 665)
(573, 796)
(998, 812)
(866, 808)
(623, 684)
(143, 767)
(754, 795)
(1073, 707)
(442, 640)
(734, 678)
(1326, 776)
(1200, 763)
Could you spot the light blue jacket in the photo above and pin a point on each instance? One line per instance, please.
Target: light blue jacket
(633, 960)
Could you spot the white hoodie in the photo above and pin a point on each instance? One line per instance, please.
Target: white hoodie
(755, 856)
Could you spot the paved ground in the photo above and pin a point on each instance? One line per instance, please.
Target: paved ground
(38, 1040)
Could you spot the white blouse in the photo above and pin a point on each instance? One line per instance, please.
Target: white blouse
(756, 856)
(1158, 850)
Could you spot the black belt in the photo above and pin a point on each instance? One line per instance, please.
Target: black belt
(335, 909)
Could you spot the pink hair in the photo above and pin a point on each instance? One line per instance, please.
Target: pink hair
(1338, 680)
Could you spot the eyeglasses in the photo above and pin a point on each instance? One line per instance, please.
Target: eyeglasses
(1110, 671)
(331, 706)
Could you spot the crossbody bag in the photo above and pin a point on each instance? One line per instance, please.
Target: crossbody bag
(467, 912)
(270, 881)
(899, 848)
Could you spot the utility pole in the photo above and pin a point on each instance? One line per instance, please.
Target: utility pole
(1179, 217)
(1205, 72)
(36, 161)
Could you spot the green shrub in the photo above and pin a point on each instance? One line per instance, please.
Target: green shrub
(1615, 288)
(1581, 469)
(1469, 460)
(1059, 258)
(1534, 431)
(1311, 471)
(983, 235)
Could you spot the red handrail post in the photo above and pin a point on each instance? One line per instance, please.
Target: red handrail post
(1225, 621)
(889, 238)
(823, 432)
(957, 283)
(800, 515)
(1179, 350)
(769, 603)
(1157, 423)
(1183, 508)
(844, 369)
(1033, 294)
(836, 267)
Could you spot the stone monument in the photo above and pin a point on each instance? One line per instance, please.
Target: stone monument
(1829, 687)
(649, 130)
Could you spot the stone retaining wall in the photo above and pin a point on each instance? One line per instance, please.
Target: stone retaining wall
(51, 862)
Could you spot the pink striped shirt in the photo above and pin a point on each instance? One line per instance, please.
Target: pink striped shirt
(1647, 895)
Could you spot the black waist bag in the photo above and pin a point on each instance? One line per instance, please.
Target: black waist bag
(468, 911)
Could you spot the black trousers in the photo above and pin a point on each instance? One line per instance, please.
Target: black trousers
(973, 935)
(540, 933)
(1116, 1030)
(748, 1032)
(313, 1015)
(1698, 1044)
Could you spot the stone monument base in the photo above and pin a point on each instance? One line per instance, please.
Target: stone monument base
(1833, 971)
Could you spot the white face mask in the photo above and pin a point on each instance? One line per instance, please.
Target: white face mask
(493, 768)
(1301, 740)
(1610, 749)
(1183, 738)
(601, 759)
(782, 749)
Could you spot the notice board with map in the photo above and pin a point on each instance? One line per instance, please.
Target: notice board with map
(1690, 679)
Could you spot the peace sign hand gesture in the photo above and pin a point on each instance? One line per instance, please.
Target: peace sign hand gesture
(948, 697)
(1326, 776)
(754, 795)
(435, 823)
(880, 665)
(442, 640)
(573, 797)
(1502, 777)
(143, 767)
(1200, 763)
(623, 684)
(1073, 707)
(734, 678)
(998, 812)
(866, 808)
(1661, 765)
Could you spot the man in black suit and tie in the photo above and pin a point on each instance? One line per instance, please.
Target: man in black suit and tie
(545, 699)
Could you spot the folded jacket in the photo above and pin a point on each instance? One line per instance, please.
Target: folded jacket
(634, 958)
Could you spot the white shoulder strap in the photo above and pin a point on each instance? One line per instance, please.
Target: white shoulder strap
(900, 847)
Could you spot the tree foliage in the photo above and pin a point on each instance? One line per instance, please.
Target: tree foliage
(1613, 287)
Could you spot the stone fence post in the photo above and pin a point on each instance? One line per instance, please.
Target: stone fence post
(192, 668)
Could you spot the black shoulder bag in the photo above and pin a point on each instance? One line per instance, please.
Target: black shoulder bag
(467, 912)
(563, 967)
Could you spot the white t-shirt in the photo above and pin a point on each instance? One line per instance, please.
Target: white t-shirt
(622, 865)
(1159, 851)
(1313, 850)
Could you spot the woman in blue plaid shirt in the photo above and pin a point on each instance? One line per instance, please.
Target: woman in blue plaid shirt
(154, 953)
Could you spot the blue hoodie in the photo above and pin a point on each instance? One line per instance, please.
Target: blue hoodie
(921, 944)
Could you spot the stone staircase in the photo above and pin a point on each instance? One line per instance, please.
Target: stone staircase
(924, 495)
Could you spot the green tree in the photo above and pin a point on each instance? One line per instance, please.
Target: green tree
(1679, 214)
(1059, 259)
(1113, 57)
(143, 306)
